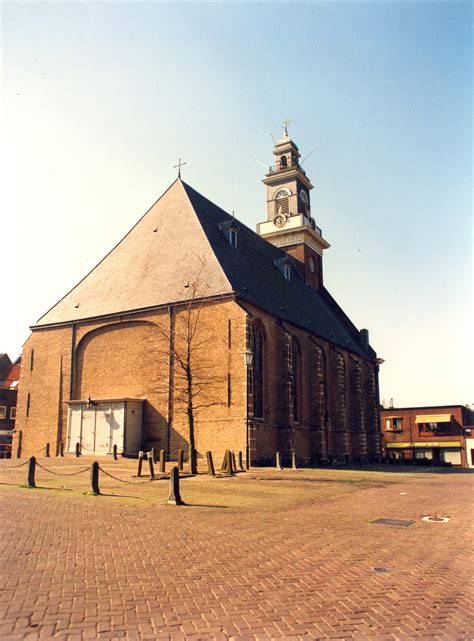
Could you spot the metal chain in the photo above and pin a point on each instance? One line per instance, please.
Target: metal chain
(11, 467)
(123, 480)
(63, 473)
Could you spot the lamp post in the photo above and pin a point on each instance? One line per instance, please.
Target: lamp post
(248, 359)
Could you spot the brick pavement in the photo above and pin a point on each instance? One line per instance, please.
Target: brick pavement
(76, 568)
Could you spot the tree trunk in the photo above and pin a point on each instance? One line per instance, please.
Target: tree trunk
(192, 445)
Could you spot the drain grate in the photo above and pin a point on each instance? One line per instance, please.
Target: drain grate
(396, 522)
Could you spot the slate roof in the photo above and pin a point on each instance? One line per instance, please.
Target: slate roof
(161, 253)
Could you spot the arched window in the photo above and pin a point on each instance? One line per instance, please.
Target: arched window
(341, 375)
(304, 203)
(258, 353)
(283, 162)
(282, 203)
(294, 378)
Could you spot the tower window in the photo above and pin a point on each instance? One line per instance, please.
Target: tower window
(283, 162)
(233, 237)
(304, 202)
(282, 202)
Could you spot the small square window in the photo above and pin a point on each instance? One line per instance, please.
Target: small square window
(13, 413)
(3, 411)
(233, 237)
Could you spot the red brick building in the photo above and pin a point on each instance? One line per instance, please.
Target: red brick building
(439, 433)
(9, 376)
(110, 353)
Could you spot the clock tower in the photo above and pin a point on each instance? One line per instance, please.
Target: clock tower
(289, 223)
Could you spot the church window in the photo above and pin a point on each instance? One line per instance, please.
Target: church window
(229, 391)
(294, 378)
(304, 202)
(32, 359)
(341, 375)
(282, 202)
(28, 401)
(233, 237)
(258, 365)
(229, 333)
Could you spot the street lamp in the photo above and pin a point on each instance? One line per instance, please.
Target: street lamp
(248, 359)
(89, 403)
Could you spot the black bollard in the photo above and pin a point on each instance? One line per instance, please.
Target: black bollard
(30, 481)
(20, 439)
(95, 478)
(61, 449)
(46, 450)
(162, 462)
(278, 464)
(180, 459)
(293, 461)
(210, 464)
(174, 498)
(114, 452)
(78, 450)
(140, 463)
(241, 462)
(150, 465)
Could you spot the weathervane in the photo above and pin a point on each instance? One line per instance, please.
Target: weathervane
(285, 124)
(179, 165)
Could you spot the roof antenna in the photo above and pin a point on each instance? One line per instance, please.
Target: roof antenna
(267, 167)
(273, 138)
(313, 149)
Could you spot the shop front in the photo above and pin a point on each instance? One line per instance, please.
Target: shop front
(442, 451)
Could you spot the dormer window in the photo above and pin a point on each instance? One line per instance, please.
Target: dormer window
(230, 229)
(287, 272)
(233, 237)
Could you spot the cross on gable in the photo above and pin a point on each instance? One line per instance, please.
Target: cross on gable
(179, 165)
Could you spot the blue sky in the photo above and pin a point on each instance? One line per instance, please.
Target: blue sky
(100, 99)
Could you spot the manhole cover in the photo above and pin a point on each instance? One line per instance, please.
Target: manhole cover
(396, 522)
(436, 519)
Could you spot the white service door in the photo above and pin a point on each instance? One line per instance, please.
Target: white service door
(74, 435)
(88, 431)
(102, 432)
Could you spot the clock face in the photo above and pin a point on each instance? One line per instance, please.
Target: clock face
(311, 264)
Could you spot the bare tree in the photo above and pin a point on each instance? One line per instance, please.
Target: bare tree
(192, 340)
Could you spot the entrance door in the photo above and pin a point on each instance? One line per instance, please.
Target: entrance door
(102, 431)
(88, 430)
(74, 433)
(436, 454)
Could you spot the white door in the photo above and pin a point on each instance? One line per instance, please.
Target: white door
(102, 431)
(88, 431)
(74, 434)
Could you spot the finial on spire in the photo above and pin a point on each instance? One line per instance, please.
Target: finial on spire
(285, 124)
(179, 165)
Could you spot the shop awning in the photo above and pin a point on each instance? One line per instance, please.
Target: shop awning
(434, 418)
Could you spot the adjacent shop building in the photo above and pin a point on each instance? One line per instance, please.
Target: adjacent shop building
(438, 433)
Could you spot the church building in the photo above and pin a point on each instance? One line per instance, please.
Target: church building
(194, 318)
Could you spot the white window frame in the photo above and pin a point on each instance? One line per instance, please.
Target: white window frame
(233, 237)
(13, 413)
(3, 412)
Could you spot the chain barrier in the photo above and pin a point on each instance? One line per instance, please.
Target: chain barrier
(124, 481)
(11, 467)
(63, 473)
